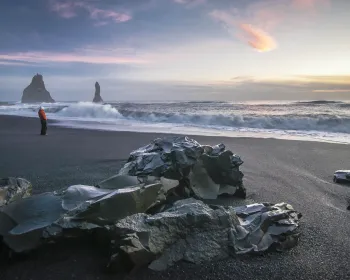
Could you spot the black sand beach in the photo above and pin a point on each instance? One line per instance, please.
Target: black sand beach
(299, 173)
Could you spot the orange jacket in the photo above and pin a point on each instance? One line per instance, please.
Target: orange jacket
(42, 115)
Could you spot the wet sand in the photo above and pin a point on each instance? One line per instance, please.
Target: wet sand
(296, 172)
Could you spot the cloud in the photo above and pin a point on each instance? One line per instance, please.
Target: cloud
(71, 57)
(257, 38)
(332, 90)
(241, 79)
(254, 36)
(108, 14)
(190, 3)
(258, 20)
(65, 9)
(14, 63)
(331, 79)
(331, 82)
(310, 4)
(286, 88)
(68, 9)
(225, 17)
(270, 14)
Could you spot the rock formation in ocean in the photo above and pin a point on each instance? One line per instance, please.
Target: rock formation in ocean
(36, 91)
(97, 98)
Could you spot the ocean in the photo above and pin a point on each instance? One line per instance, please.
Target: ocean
(305, 120)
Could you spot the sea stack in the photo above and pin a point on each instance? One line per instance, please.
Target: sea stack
(36, 91)
(97, 98)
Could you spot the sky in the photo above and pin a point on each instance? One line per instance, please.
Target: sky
(177, 49)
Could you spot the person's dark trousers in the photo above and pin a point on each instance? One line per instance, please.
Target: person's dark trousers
(43, 127)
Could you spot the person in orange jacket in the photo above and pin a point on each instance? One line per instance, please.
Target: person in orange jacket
(43, 120)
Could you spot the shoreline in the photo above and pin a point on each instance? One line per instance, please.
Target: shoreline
(196, 133)
(295, 172)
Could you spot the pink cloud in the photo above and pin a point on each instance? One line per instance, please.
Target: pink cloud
(269, 14)
(257, 38)
(259, 19)
(310, 4)
(254, 36)
(68, 9)
(74, 57)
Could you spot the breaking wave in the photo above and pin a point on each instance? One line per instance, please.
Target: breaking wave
(344, 105)
(90, 110)
(322, 123)
(325, 118)
(319, 102)
(308, 122)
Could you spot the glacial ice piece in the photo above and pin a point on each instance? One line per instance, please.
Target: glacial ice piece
(12, 189)
(119, 182)
(26, 222)
(208, 171)
(195, 232)
(22, 222)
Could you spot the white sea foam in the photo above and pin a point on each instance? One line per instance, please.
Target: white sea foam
(315, 119)
(90, 110)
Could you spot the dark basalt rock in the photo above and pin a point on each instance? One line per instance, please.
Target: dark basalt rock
(26, 223)
(207, 171)
(97, 97)
(195, 232)
(12, 189)
(149, 214)
(36, 91)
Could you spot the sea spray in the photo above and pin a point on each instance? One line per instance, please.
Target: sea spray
(305, 118)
